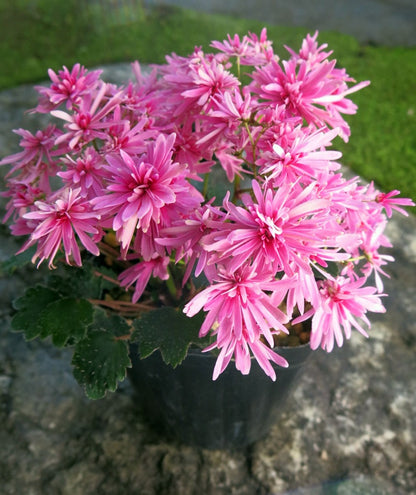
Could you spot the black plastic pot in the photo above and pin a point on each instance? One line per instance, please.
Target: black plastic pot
(231, 412)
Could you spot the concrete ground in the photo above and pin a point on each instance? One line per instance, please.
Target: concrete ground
(387, 22)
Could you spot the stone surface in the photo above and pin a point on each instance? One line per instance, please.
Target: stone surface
(349, 427)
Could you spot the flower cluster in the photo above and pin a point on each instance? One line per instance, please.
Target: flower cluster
(212, 167)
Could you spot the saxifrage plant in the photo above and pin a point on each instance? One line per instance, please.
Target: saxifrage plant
(199, 204)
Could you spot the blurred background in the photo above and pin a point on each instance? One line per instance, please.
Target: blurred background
(388, 22)
(373, 39)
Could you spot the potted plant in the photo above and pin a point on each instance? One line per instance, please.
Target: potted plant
(198, 206)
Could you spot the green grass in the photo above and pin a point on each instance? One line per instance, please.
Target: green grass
(38, 34)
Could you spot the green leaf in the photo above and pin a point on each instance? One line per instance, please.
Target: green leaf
(66, 319)
(100, 361)
(114, 324)
(17, 261)
(167, 329)
(77, 282)
(30, 308)
(218, 184)
(42, 312)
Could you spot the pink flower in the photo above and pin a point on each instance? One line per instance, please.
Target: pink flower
(141, 272)
(233, 46)
(233, 107)
(390, 203)
(239, 313)
(310, 51)
(140, 187)
(185, 236)
(210, 80)
(279, 228)
(36, 148)
(263, 48)
(189, 150)
(23, 196)
(146, 243)
(304, 157)
(315, 92)
(342, 302)
(132, 140)
(85, 172)
(232, 165)
(87, 122)
(67, 87)
(199, 83)
(57, 222)
(305, 290)
(251, 50)
(371, 241)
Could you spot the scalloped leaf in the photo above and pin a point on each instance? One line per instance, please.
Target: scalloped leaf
(218, 184)
(30, 307)
(17, 261)
(77, 283)
(169, 330)
(66, 320)
(114, 324)
(41, 312)
(100, 361)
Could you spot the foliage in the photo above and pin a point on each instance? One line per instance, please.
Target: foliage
(100, 340)
(168, 330)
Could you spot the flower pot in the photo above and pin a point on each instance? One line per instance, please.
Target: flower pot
(231, 412)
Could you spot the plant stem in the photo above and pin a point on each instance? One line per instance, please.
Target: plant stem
(124, 307)
(106, 277)
(205, 188)
(253, 147)
(170, 284)
(237, 189)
